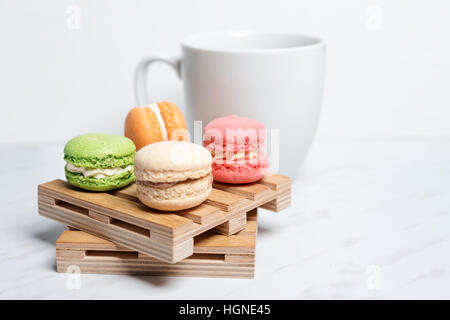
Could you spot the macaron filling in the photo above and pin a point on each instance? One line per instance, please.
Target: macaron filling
(98, 173)
(233, 156)
(176, 190)
(165, 185)
(162, 125)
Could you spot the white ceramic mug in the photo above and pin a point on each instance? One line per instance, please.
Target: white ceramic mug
(276, 78)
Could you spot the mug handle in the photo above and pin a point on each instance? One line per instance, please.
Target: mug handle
(140, 76)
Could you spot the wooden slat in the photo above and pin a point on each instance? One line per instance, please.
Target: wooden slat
(277, 207)
(237, 258)
(70, 254)
(218, 244)
(129, 192)
(280, 203)
(275, 181)
(201, 214)
(81, 238)
(233, 225)
(250, 229)
(224, 200)
(46, 199)
(190, 268)
(100, 217)
(252, 191)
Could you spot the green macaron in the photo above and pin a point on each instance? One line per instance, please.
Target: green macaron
(99, 162)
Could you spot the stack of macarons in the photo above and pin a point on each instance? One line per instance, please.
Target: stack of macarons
(236, 145)
(99, 162)
(171, 174)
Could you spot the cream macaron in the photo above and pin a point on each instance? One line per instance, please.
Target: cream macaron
(173, 175)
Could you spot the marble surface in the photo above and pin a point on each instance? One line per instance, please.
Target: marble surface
(369, 219)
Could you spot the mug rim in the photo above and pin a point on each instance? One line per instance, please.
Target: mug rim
(186, 42)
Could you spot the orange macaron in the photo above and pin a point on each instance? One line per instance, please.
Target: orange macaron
(156, 122)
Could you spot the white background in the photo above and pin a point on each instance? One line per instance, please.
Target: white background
(388, 61)
(373, 191)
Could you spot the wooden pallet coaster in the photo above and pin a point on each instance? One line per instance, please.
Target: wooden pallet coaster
(120, 217)
(215, 255)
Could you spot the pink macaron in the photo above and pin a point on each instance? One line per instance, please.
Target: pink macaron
(236, 146)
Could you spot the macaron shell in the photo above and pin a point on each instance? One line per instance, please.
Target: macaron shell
(248, 134)
(237, 173)
(181, 196)
(170, 175)
(168, 158)
(99, 145)
(99, 150)
(174, 120)
(142, 127)
(175, 204)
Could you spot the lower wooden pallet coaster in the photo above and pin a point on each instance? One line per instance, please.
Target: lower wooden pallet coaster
(215, 255)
